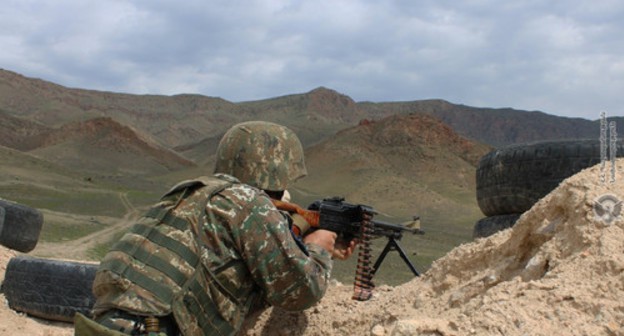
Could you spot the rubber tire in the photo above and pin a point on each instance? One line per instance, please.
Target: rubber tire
(512, 179)
(20, 226)
(488, 226)
(50, 289)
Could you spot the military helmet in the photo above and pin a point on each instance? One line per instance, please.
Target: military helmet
(262, 154)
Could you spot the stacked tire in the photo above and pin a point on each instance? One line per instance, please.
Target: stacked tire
(512, 179)
(50, 289)
(20, 226)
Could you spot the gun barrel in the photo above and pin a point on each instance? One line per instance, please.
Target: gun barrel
(393, 227)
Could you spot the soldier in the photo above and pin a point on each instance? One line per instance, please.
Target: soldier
(215, 247)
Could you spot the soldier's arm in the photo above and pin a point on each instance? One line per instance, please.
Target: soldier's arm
(290, 278)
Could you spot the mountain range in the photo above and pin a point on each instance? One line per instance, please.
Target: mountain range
(403, 158)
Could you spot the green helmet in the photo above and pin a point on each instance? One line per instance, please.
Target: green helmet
(262, 154)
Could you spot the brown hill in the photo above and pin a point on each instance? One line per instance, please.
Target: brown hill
(312, 115)
(104, 145)
(402, 166)
(171, 121)
(496, 127)
(320, 104)
(18, 168)
(202, 152)
(18, 133)
(184, 120)
(394, 159)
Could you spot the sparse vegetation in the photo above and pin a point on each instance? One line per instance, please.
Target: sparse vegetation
(56, 232)
(107, 154)
(98, 251)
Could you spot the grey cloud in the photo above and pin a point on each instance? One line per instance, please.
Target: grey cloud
(559, 57)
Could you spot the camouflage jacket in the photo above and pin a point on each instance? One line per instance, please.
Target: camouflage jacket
(204, 253)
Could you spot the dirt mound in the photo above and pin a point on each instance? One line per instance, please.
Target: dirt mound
(558, 271)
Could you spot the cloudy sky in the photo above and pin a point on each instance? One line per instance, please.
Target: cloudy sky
(563, 57)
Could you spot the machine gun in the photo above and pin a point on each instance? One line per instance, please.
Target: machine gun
(355, 221)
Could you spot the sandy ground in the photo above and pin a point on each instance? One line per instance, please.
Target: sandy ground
(558, 271)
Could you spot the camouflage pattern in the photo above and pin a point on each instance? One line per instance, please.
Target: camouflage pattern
(262, 154)
(244, 250)
(83, 326)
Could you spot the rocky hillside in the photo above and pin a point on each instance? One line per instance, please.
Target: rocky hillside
(171, 121)
(104, 145)
(184, 120)
(496, 127)
(18, 133)
(402, 166)
(414, 157)
(100, 145)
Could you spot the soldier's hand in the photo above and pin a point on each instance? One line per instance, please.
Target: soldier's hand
(323, 238)
(343, 250)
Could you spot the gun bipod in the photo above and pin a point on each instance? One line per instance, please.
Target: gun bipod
(393, 245)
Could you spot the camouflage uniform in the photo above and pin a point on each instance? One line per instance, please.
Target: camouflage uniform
(207, 268)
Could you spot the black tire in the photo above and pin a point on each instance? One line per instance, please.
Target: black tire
(488, 226)
(50, 289)
(512, 179)
(19, 226)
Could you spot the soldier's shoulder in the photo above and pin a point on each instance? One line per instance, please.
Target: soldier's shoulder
(240, 194)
